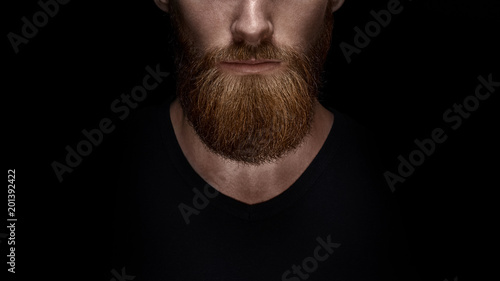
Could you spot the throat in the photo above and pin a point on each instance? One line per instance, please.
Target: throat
(252, 187)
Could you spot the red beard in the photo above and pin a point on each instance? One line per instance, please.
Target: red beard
(250, 118)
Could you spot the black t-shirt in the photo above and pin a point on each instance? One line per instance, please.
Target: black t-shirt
(334, 223)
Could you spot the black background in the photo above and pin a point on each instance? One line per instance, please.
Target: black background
(427, 59)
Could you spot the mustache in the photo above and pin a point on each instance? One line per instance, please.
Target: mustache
(241, 51)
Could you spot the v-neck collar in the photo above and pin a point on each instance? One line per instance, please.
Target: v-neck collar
(237, 208)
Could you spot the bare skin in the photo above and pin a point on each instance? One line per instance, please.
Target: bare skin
(217, 23)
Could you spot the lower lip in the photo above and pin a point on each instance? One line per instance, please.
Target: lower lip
(250, 68)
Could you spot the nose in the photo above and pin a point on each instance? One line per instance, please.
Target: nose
(252, 23)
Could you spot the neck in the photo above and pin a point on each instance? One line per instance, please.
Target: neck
(250, 184)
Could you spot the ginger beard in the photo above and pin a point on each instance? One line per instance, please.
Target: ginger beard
(254, 118)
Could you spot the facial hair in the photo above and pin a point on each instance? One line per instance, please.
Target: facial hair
(254, 118)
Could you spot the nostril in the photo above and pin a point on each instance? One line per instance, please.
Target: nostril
(252, 32)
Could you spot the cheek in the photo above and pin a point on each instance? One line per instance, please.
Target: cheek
(207, 23)
(299, 29)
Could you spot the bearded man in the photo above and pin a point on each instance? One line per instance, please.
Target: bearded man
(245, 175)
